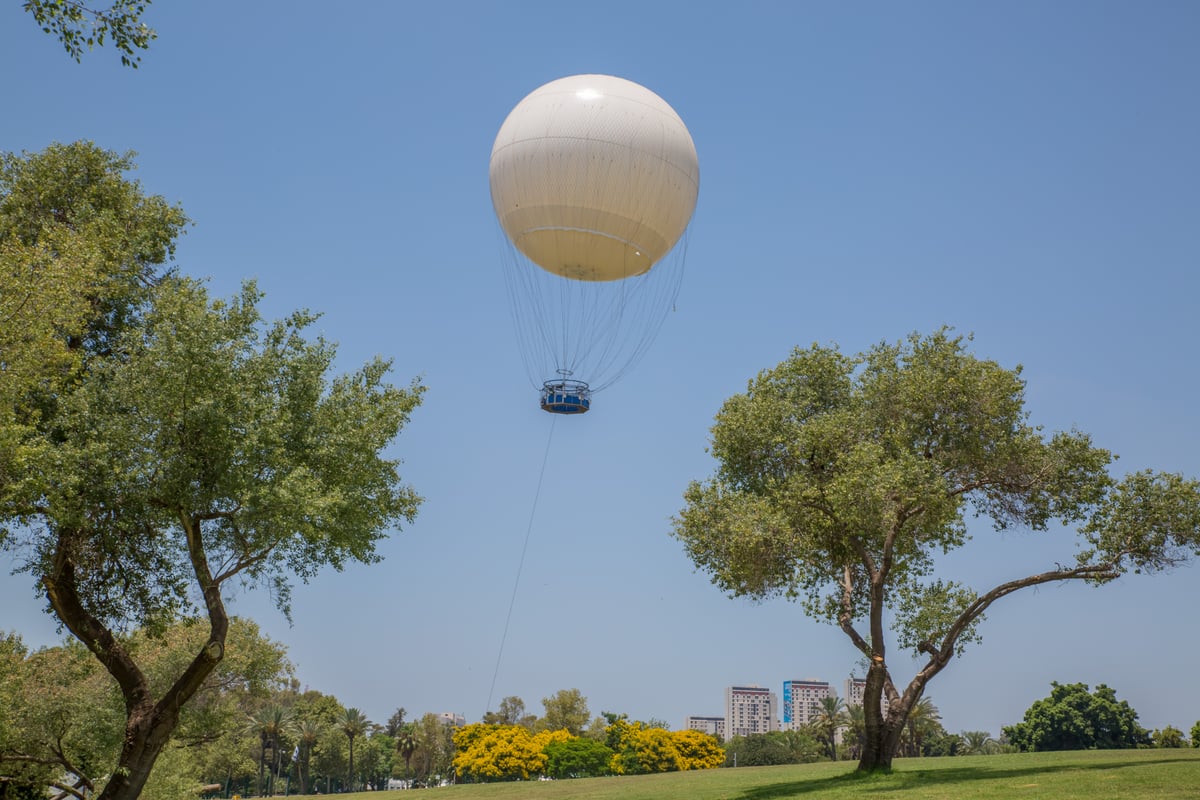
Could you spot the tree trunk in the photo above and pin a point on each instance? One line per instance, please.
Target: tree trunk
(145, 736)
(880, 749)
(148, 723)
(881, 735)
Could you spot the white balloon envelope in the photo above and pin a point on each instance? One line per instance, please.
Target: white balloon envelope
(594, 180)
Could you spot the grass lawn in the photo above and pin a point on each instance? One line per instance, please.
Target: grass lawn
(1081, 775)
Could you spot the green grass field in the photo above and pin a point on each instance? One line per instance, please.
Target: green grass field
(1086, 775)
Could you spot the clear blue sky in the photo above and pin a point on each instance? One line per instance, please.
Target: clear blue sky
(1026, 171)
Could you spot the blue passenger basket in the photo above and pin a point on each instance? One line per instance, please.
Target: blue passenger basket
(563, 396)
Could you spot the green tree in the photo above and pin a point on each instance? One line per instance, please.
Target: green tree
(406, 746)
(577, 757)
(81, 246)
(1072, 718)
(1169, 736)
(147, 488)
(566, 711)
(64, 719)
(757, 750)
(77, 26)
(830, 718)
(353, 724)
(856, 729)
(376, 759)
(840, 480)
(924, 721)
(395, 722)
(510, 712)
(1196, 735)
(308, 733)
(978, 743)
(268, 725)
(433, 759)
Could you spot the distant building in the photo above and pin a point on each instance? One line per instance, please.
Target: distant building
(452, 719)
(714, 726)
(855, 688)
(802, 702)
(749, 709)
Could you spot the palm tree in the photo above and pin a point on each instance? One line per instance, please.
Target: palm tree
(978, 743)
(268, 724)
(353, 723)
(830, 718)
(407, 744)
(921, 719)
(308, 733)
(857, 722)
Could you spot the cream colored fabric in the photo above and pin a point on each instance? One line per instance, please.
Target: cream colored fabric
(594, 177)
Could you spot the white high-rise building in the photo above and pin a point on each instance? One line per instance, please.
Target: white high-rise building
(713, 726)
(802, 702)
(749, 709)
(855, 687)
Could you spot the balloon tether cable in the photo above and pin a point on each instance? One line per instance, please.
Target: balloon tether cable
(520, 565)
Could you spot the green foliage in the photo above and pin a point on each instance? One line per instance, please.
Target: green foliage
(353, 725)
(565, 710)
(773, 749)
(1072, 718)
(830, 718)
(432, 761)
(923, 723)
(577, 758)
(77, 26)
(161, 433)
(1196, 735)
(840, 479)
(1170, 736)
(81, 245)
(510, 712)
(172, 443)
(63, 713)
(978, 743)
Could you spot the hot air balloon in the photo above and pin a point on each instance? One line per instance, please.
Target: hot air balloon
(594, 180)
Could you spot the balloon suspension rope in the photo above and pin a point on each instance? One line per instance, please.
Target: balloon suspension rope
(521, 564)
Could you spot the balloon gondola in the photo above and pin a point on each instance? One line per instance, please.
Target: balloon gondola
(594, 180)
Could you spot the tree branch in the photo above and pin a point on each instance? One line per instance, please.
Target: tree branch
(939, 657)
(846, 616)
(214, 650)
(63, 594)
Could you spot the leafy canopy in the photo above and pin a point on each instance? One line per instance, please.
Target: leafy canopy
(208, 421)
(77, 26)
(1072, 718)
(840, 479)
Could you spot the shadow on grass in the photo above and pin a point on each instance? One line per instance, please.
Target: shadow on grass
(906, 779)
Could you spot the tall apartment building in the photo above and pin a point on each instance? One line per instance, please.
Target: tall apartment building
(854, 689)
(749, 709)
(802, 702)
(714, 726)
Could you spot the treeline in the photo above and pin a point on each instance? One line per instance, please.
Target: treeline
(252, 731)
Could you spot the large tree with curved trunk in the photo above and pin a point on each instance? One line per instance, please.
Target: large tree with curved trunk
(840, 479)
(172, 444)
